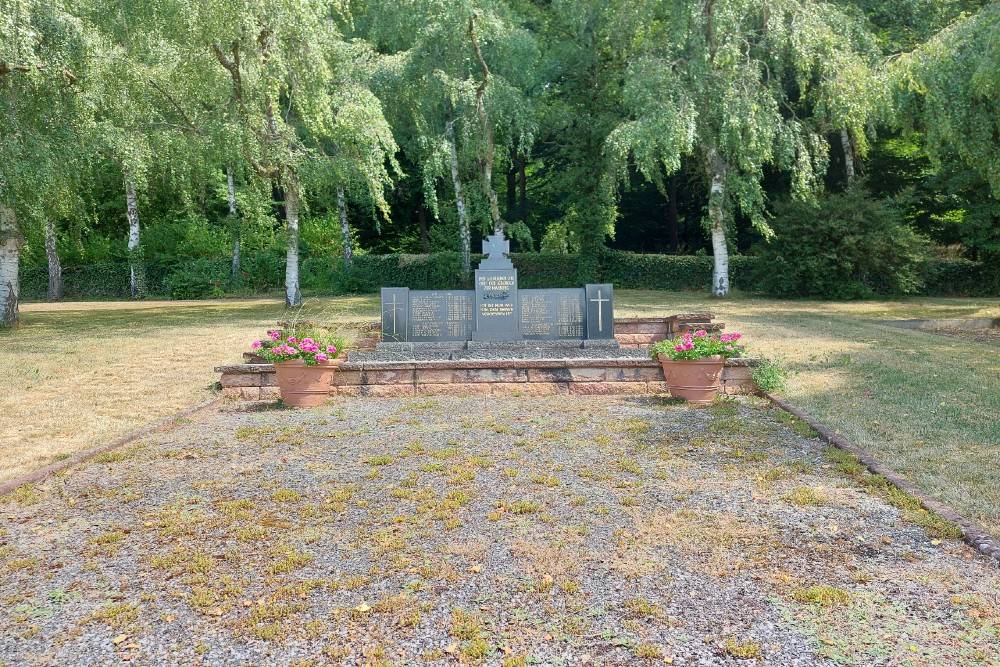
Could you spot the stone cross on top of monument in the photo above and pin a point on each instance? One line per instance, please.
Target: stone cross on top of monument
(495, 247)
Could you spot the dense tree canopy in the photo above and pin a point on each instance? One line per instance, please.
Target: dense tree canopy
(168, 135)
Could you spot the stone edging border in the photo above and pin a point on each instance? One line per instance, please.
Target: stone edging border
(972, 533)
(44, 473)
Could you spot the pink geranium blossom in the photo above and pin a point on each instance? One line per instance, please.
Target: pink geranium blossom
(256, 345)
(274, 334)
(321, 357)
(331, 349)
(700, 333)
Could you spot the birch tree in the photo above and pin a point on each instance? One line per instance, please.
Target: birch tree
(43, 61)
(741, 86)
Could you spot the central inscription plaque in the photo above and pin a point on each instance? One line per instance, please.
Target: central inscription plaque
(496, 293)
(496, 309)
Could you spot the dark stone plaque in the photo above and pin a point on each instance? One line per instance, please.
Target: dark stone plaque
(496, 305)
(551, 314)
(496, 310)
(440, 315)
(395, 306)
(600, 311)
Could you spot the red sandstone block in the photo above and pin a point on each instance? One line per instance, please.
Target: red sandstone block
(432, 376)
(342, 378)
(240, 380)
(659, 387)
(387, 390)
(270, 393)
(489, 375)
(660, 328)
(549, 375)
(730, 373)
(635, 374)
(639, 338)
(232, 392)
(588, 374)
(400, 376)
(607, 388)
(346, 390)
(527, 388)
(468, 389)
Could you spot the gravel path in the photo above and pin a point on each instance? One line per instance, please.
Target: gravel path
(559, 531)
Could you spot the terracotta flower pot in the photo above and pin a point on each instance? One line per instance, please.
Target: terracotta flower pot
(696, 381)
(305, 386)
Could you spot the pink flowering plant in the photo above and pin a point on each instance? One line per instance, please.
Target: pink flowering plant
(311, 347)
(700, 345)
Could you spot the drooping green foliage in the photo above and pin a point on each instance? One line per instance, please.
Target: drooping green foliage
(250, 138)
(949, 87)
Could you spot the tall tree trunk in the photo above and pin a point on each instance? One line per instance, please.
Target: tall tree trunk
(234, 269)
(522, 186)
(512, 186)
(293, 296)
(10, 262)
(486, 157)
(425, 239)
(55, 291)
(345, 229)
(672, 218)
(465, 237)
(845, 142)
(137, 278)
(717, 168)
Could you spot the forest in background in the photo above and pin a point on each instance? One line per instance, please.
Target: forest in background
(197, 147)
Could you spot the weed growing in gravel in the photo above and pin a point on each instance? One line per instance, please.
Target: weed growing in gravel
(629, 465)
(465, 625)
(287, 559)
(550, 481)
(26, 494)
(798, 426)
(745, 649)
(806, 496)
(118, 615)
(649, 651)
(822, 595)
(380, 460)
(29, 564)
(286, 496)
(107, 544)
(641, 608)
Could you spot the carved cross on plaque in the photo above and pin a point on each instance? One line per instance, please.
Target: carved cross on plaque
(600, 310)
(395, 309)
(496, 246)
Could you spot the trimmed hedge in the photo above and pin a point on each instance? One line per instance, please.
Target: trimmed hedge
(625, 270)
(628, 270)
(960, 277)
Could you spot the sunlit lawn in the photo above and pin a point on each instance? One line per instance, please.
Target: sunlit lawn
(79, 374)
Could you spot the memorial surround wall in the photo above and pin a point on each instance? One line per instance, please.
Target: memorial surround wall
(500, 377)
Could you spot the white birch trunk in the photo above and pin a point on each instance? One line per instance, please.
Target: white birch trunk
(463, 222)
(845, 141)
(55, 291)
(345, 229)
(136, 278)
(10, 262)
(293, 296)
(234, 270)
(717, 217)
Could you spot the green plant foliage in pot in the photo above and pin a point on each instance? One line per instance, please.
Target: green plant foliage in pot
(692, 364)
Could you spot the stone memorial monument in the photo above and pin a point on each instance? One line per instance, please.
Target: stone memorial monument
(496, 313)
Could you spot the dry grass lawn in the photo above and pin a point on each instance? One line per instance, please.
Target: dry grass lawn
(79, 374)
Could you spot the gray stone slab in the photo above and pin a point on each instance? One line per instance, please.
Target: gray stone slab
(600, 311)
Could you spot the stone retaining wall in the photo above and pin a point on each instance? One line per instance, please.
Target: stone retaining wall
(511, 377)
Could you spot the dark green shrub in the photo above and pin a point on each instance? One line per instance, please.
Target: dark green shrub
(536, 270)
(843, 246)
(199, 279)
(261, 271)
(960, 277)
